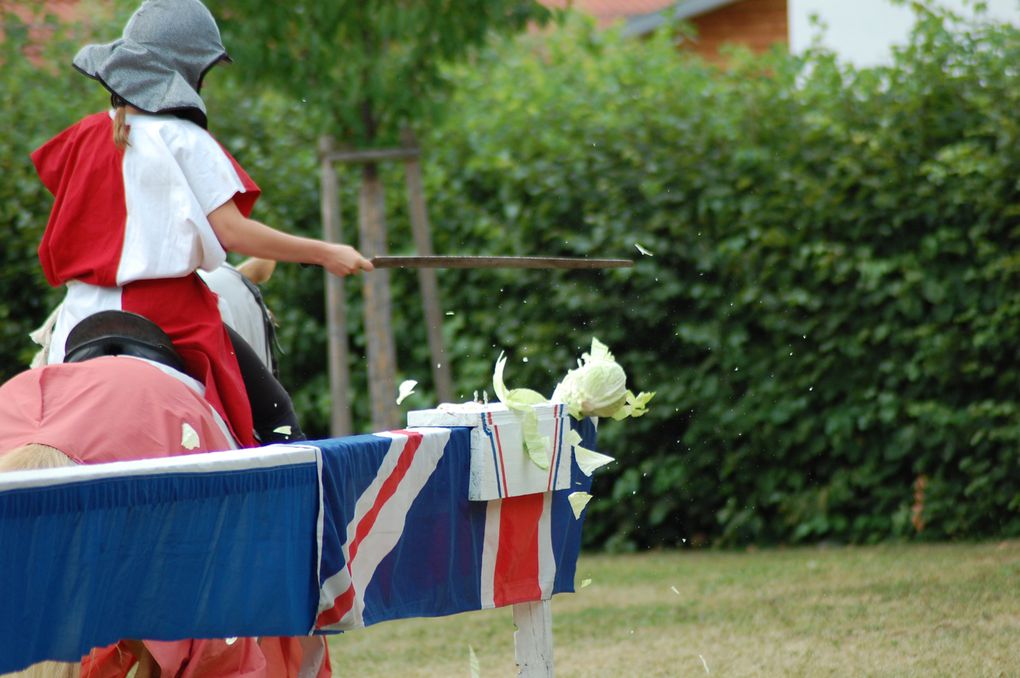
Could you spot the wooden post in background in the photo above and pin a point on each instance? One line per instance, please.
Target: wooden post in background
(336, 305)
(427, 276)
(380, 344)
(382, 355)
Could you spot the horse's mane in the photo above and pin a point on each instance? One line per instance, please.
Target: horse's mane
(33, 456)
(48, 670)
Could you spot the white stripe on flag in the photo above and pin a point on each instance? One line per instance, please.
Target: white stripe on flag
(331, 589)
(339, 582)
(389, 523)
(490, 547)
(546, 557)
(319, 526)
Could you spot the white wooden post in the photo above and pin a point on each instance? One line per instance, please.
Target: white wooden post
(533, 639)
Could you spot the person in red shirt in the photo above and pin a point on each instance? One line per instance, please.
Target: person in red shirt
(144, 196)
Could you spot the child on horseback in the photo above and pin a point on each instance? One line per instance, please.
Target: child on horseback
(145, 196)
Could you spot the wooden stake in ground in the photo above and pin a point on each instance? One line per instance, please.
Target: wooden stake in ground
(381, 350)
(336, 304)
(533, 639)
(382, 357)
(427, 277)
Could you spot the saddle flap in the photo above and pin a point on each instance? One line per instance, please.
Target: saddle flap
(110, 333)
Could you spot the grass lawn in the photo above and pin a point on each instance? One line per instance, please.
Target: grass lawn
(896, 610)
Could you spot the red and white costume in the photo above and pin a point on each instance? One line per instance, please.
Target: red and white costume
(129, 229)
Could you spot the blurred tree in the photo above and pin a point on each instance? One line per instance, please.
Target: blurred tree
(371, 68)
(40, 94)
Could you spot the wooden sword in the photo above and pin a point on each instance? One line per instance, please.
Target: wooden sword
(461, 261)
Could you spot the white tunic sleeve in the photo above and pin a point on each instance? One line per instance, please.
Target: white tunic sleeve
(206, 167)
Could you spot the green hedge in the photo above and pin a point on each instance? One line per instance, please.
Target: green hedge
(830, 312)
(36, 102)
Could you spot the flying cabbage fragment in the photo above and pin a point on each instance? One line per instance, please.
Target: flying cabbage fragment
(587, 460)
(642, 250)
(522, 400)
(634, 406)
(473, 666)
(578, 500)
(189, 437)
(405, 389)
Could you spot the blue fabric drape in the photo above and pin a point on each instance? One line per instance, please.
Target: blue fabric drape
(179, 555)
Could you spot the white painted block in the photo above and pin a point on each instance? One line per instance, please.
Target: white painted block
(500, 465)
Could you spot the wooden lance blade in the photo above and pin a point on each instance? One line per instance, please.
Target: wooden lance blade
(458, 261)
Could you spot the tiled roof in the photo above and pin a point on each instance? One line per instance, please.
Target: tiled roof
(607, 11)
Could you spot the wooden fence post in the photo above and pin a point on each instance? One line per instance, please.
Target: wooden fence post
(427, 276)
(380, 344)
(382, 358)
(336, 304)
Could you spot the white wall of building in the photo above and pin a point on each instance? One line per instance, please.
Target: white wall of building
(863, 31)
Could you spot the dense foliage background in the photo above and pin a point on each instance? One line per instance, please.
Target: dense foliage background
(829, 316)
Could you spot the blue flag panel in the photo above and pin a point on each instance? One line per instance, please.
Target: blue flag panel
(160, 556)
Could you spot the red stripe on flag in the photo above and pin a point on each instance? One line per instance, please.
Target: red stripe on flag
(516, 572)
(388, 489)
(343, 603)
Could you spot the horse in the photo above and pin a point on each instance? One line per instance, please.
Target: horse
(91, 412)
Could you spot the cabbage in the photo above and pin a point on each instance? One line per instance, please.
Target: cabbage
(598, 388)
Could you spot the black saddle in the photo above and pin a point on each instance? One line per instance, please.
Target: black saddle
(120, 333)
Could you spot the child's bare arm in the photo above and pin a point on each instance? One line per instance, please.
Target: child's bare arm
(240, 234)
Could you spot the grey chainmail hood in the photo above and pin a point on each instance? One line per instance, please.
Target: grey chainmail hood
(158, 63)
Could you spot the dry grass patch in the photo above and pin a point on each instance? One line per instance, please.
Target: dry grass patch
(903, 610)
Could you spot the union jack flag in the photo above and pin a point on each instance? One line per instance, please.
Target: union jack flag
(399, 537)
